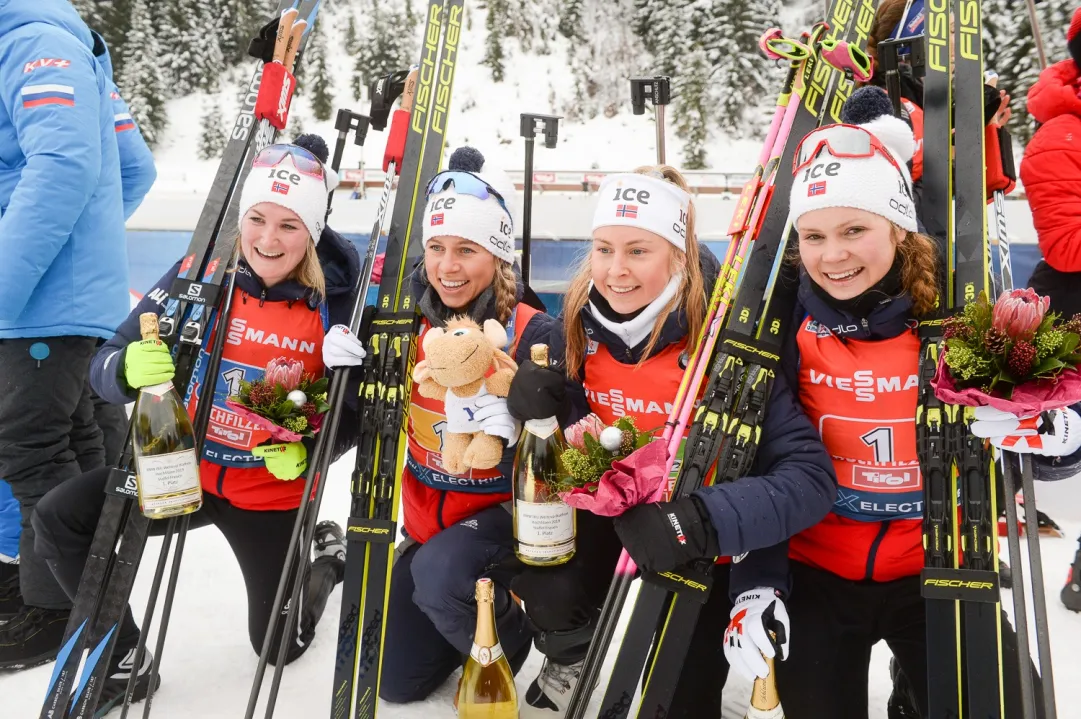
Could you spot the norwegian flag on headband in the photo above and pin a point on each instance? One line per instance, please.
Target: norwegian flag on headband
(630, 211)
(816, 188)
(280, 187)
(437, 219)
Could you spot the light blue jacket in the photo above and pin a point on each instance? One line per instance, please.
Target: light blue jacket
(137, 172)
(63, 259)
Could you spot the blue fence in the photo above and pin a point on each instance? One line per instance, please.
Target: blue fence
(553, 262)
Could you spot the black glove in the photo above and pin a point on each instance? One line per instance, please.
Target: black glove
(538, 393)
(662, 536)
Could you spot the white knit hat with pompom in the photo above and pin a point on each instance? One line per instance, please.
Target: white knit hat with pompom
(871, 183)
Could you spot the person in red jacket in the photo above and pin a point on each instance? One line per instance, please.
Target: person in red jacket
(457, 526)
(1051, 174)
(295, 277)
(866, 276)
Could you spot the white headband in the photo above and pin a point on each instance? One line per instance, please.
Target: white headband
(630, 199)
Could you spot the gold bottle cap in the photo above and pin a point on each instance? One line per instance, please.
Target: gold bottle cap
(539, 355)
(485, 591)
(148, 326)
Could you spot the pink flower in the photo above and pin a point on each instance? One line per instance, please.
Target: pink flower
(590, 424)
(1019, 312)
(284, 372)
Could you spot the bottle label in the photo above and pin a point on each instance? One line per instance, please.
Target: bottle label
(158, 390)
(168, 480)
(544, 529)
(486, 655)
(543, 428)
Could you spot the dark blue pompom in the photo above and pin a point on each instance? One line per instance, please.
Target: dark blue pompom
(315, 145)
(865, 105)
(466, 159)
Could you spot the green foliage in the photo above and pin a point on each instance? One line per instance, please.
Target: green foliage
(586, 466)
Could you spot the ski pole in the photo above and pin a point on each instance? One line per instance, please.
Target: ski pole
(531, 124)
(1034, 20)
(657, 90)
(1028, 496)
(307, 514)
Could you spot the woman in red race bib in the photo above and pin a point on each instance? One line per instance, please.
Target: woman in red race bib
(631, 319)
(295, 278)
(852, 580)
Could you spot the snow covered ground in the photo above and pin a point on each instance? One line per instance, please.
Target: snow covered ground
(208, 664)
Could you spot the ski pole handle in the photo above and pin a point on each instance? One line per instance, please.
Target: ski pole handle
(848, 58)
(773, 33)
(783, 48)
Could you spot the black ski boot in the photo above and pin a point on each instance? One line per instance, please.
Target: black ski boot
(328, 541)
(32, 637)
(116, 683)
(901, 704)
(1071, 593)
(11, 599)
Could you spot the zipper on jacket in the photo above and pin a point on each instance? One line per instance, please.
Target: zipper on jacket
(221, 482)
(262, 297)
(872, 554)
(439, 510)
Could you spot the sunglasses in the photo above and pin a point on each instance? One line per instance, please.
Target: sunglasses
(303, 160)
(465, 183)
(840, 141)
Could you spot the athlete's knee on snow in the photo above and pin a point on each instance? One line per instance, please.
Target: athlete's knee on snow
(53, 537)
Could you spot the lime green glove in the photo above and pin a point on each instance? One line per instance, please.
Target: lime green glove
(147, 363)
(284, 461)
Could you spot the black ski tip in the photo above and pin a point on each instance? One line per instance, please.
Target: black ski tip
(865, 105)
(314, 144)
(466, 159)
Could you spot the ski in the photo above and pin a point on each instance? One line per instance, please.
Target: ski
(372, 528)
(667, 606)
(110, 570)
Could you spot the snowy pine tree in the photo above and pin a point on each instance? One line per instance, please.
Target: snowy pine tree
(496, 25)
(743, 78)
(351, 35)
(110, 18)
(386, 42)
(322, 94)
(141, 80)
(212, 134)
(194, 55)
(570, 20)
(695, 108)
(602, 63)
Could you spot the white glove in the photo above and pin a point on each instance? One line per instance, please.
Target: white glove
(1055, 433)
(757, 613)
(495, 419)
(342, 348)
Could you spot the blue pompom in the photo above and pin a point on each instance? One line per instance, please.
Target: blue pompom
(865, 105)
(315, 145)
(466, 159)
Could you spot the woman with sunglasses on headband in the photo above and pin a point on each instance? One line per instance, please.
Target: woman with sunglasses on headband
(457, 527)
(631, 319)
(852, 580)
(296, 277)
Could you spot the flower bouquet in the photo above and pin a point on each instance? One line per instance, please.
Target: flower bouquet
(611, 468)
(286, 402)
(1014, 355)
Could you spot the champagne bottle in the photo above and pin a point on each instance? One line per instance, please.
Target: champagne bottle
(164, 443)
(487, 688)
(544, 526)
(765, 702)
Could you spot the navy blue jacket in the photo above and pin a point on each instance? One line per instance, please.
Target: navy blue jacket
(791, 485)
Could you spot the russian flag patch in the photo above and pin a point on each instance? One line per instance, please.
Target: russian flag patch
(122, 121)
(37, 95)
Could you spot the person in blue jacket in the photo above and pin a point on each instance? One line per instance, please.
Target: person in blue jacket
(64, 271)
(137, 175)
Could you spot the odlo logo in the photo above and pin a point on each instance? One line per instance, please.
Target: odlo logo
(676, 526)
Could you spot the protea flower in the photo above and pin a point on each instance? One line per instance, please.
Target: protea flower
(1019, 312)
(575, 434)
(284, 372)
